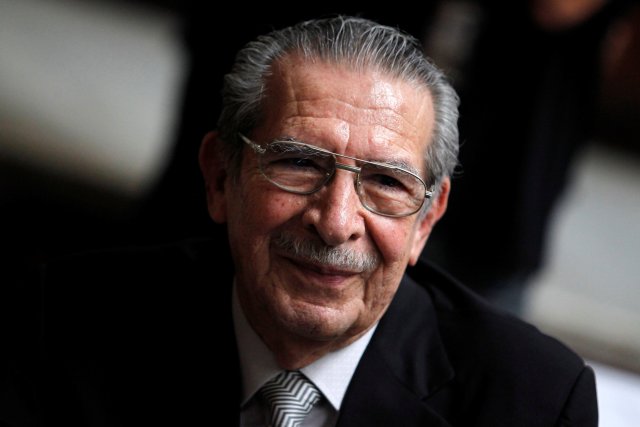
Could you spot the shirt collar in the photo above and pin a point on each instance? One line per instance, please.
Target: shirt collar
(331, 373)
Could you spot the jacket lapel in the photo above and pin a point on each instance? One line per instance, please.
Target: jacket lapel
(377, 397)
(403, 367)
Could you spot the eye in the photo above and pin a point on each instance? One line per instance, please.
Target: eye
(287, 158)
(386, 181)
(296, 162)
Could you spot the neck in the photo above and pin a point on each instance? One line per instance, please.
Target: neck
(292, 357)
(294, 352)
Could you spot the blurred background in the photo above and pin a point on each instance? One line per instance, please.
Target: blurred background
(103, 104)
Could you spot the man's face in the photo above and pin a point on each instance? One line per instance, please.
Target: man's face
(285, 294)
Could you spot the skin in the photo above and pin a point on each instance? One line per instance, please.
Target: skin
(299, 309)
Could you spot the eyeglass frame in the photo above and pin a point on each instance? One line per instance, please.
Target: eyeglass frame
(258, 149)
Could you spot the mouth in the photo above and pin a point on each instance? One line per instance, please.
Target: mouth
(325, 274)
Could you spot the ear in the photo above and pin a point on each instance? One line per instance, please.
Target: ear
(435, 212)
(214, 171)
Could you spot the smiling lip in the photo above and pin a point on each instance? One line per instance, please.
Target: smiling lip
(324, 272)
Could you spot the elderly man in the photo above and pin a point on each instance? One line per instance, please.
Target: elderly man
(330, 167)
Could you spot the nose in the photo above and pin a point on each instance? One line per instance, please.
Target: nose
(335, 212)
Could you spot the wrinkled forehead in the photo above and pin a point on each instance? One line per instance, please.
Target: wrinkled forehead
(372, 85)
(318, 100)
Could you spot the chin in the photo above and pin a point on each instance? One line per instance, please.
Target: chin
(320, 323)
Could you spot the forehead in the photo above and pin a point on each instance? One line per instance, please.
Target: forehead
(342, 109)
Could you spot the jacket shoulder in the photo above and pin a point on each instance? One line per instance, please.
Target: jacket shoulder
(504, 364)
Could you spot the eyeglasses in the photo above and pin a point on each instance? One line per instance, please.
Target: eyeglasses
(301, 168)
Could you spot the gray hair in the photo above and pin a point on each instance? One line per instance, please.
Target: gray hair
(354, 42)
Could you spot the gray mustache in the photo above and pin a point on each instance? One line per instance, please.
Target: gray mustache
(319, 253)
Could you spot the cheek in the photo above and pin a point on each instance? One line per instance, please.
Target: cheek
(393, 237)
(260, 211)
(269, 209)
(254, 217)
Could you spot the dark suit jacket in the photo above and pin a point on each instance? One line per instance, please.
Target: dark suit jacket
(145, 337)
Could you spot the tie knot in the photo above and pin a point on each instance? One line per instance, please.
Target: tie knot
(290, 396)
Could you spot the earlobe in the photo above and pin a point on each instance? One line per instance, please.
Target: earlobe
(436, 210)
(214, 172)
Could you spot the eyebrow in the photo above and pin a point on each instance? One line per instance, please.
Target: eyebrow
(402, 164)
(397, 163)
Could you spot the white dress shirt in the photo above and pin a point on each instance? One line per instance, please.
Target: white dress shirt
(331, 374)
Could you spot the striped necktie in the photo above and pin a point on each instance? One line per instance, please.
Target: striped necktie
(290, 396)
